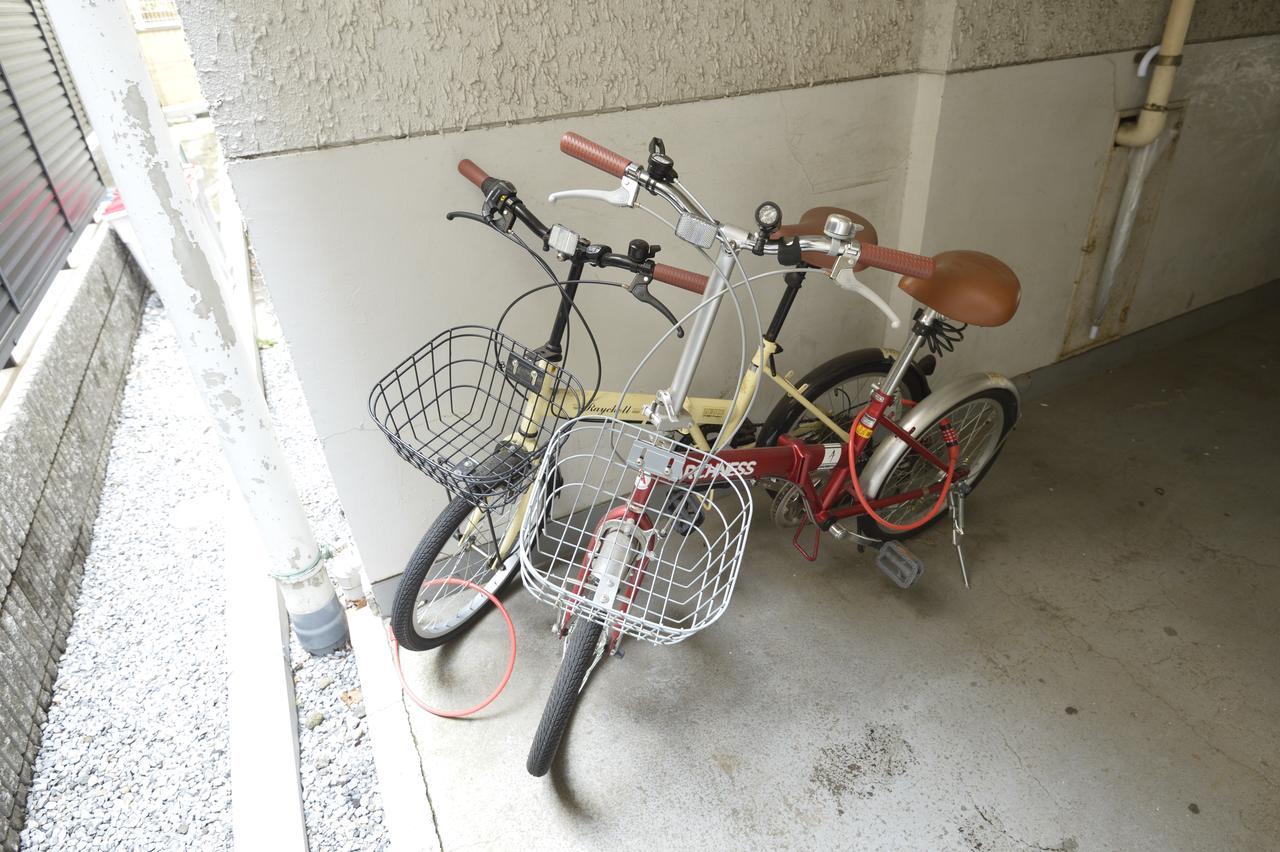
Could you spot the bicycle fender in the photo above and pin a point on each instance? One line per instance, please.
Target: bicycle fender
(921, 414)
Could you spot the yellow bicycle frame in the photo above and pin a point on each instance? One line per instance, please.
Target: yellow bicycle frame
(703, 411)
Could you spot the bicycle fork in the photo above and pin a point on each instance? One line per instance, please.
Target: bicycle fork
(623, 537)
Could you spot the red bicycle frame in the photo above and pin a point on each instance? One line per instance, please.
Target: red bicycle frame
(800, 463)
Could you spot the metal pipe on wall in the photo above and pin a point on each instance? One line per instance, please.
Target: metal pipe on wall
(105, 60)
(1151, 120)
(1141, 161)
(1141, 136)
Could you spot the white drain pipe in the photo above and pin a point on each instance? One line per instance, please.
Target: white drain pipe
(1140, 162)
(1151, 120)
(102, 52)
(1142, 135)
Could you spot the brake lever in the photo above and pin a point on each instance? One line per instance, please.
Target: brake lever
(623, 196)
(495, 209)
(639, 287)
(846, 280)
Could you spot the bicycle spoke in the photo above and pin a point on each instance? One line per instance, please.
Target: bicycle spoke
(475, 558)
(976, 425)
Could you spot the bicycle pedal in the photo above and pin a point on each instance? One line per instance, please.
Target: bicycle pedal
(899, 564)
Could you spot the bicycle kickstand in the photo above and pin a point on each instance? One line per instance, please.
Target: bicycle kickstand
(956, 499)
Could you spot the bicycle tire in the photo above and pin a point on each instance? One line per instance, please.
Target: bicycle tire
(423, 559)
(1004, 401)
(583, 638)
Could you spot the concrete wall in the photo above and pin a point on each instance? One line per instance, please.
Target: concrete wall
(56, 424)
(1021, 153)
(398, 273)
(950, 123)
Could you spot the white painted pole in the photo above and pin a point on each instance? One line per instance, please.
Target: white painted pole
(106, 62)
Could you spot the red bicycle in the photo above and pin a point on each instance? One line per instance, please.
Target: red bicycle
(647, 533)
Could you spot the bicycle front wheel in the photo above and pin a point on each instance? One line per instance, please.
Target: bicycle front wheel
(465, 542)
(981, 420)
(584, 637)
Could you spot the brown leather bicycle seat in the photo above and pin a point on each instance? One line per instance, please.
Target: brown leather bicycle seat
(969, 287)
(811, 223)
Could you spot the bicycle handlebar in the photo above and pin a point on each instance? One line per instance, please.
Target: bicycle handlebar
(682, 278)
(473, 173)
(896, 260)
(594, 154)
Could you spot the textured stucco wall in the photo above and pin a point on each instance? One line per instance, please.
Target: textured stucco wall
(1002, 32)
(283, 76)
(55, 432)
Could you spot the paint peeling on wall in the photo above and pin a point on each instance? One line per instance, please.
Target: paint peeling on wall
(205, 298)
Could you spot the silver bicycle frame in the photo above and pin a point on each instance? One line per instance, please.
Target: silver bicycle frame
(667, 413)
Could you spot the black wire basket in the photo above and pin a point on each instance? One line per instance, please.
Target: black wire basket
(473, 410)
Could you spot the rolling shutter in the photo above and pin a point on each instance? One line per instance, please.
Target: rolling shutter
(49, 185)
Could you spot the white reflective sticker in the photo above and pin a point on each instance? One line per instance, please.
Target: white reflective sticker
(830, 455)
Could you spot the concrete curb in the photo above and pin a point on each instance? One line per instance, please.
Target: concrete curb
(266, 790)
(406, 805)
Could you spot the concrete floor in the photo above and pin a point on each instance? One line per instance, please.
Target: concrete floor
(1110, 682)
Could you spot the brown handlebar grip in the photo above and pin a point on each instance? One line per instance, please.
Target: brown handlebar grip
(472, 172)
(894, 260)
(582, 148)
(682, 278)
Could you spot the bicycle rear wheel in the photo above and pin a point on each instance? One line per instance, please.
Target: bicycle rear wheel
(580, 653)
(464, 542)
(982, 421)
(840, 387)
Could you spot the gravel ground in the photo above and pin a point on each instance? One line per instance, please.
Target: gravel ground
(134, 753)
(339, 785)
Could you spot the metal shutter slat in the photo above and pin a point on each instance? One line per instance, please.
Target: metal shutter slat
(73, 94)
(40, 224)
(56, 141)
(22, 212)
(47, 243)
(29, 78)
(16, 180)
(49, 183)
(39, 100)
(18, 67)
(18, 195)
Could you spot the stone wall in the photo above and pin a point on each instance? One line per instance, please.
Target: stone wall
(56, 424)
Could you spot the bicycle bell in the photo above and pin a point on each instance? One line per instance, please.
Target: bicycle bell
(840, 227)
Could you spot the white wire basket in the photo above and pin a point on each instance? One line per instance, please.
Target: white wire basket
(645, 534)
